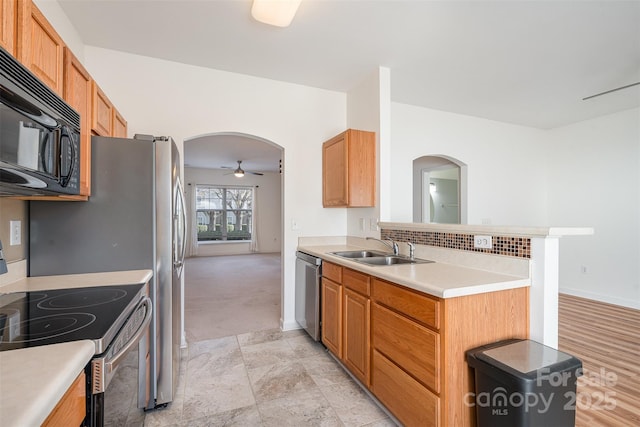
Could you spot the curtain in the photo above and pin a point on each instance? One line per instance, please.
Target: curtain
(253, 247)
(192, 222)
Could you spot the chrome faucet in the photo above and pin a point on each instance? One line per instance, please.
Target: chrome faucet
(412, 250)
(393, 245)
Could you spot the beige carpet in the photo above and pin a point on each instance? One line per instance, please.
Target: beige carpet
(231, 295)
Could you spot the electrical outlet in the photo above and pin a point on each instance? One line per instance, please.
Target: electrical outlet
(15, 230)
(482, 242)
(373, 224)
(295, 225)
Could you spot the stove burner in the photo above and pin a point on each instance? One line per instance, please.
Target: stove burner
(36, 296)
(82, 299)
(47, 327)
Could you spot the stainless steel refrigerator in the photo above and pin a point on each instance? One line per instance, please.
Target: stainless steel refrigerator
(134, 219)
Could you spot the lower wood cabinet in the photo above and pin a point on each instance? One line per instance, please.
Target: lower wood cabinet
(332, 316)
(408, 348)
(357, 347)
(406, 398)
(71, 409)
(412, 346)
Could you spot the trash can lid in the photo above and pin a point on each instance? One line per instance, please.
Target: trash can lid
(525, 356)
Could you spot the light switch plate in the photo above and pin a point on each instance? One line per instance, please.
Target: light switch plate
(15, 233)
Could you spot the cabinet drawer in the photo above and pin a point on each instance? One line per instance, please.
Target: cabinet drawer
(413, 304)
(411, 346)
(356, 281)
(332, 271)
(408, 400)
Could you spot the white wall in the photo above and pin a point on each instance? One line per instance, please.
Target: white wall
(507, 164)
(168, 98)
(368, 109)
(268, 204)
(594, 181)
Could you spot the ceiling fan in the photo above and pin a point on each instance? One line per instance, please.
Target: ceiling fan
(239, 172)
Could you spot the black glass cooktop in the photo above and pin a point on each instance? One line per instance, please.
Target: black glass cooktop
(29, 319)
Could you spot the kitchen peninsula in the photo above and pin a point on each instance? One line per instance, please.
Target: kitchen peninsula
(402, 330)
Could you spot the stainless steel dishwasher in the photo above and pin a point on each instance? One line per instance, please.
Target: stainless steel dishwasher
(308, 274)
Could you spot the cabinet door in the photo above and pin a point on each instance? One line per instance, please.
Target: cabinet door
(119, 125)
(357, 347)
(77, 93)
(332, 316)
(101, 112)
(8, 20)
(39, 47)
(71, 409)
(334, 173)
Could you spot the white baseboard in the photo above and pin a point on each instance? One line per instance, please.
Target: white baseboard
(603, 298)
(289, 325)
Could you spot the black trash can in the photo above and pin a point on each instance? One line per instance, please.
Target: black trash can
(522, 383)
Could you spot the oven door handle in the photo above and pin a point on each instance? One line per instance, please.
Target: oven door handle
(115, 360)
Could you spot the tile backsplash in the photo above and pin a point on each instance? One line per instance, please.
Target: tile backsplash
(519, 247)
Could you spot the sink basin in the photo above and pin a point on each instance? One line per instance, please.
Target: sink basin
(378, 258)
(359, 254)
(391, 260)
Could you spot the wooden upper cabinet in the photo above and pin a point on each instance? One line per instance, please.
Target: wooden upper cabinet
(8, 25)
(119, 129)
(349, 170)
(77, 93)
(101, 112)
(39, 46)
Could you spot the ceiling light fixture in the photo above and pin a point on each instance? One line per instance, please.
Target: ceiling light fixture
(238, 173)
(279, 13)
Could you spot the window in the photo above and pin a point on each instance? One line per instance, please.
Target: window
(223, 213)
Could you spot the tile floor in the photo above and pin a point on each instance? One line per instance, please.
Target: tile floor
(265, 378)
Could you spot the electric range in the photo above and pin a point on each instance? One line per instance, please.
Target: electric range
(115, 318)
(54, 316)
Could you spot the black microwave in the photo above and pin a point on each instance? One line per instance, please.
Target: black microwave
(39, 135)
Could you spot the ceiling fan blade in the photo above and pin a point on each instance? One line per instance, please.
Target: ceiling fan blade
(227, 167)
(254, 173)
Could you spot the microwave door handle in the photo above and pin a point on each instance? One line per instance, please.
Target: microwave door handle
(43, 152)
(115, 360)
(64, 179)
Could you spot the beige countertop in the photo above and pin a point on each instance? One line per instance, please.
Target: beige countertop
(70, 281)
(438, 279)
(33, 380)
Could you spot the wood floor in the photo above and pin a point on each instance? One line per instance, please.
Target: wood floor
(607, 340)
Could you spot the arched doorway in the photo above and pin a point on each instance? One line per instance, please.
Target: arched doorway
(235, 234)
(439, 190)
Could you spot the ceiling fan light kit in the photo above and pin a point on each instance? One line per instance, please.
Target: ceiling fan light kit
(278, 13)
(239, 172)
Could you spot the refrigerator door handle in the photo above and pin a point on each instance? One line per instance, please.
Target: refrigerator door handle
(181, 228)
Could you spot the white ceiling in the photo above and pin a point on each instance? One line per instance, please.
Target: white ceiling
(521, 62)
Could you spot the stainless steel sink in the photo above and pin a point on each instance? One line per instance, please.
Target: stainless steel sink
(391, 260)
(359, 254)
(378, 258)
